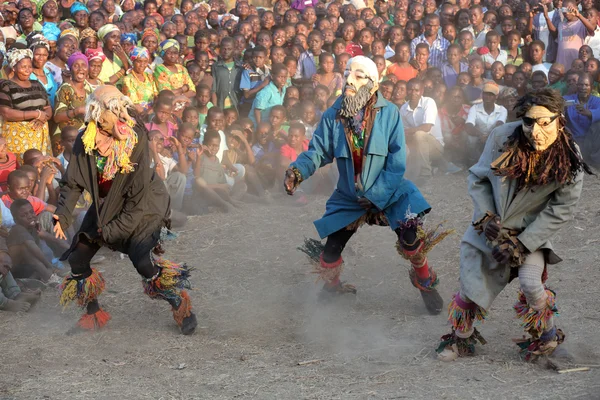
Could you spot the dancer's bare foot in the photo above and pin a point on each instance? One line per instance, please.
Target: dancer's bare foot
(16, 306)
(30, 297)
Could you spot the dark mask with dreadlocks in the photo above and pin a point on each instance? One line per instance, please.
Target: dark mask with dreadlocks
(541, 150)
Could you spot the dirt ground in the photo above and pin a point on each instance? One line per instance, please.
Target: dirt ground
(259, 318)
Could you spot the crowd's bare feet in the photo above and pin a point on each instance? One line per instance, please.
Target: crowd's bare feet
(30, 297)
(16, 306)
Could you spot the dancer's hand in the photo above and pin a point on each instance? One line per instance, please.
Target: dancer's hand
(492, 229)
(501, 256)
(365, 203)
(58, 232)
(289, 182)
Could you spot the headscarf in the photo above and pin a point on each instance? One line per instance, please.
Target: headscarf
(166, 45)
(50, 31)
(139, 52)
(77, 6)
(87, 33)
(159, 18)
(105, 30)
(149, 32)
(35, 39)
(74, 57)
(72, 32)
(95, 54)
(129, 37)
(16, 55)
(65, 25)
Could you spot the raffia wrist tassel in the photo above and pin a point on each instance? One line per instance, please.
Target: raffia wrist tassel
(169, 282)
(82, 290)
(535, 322)
(462, 315)
(92, 322)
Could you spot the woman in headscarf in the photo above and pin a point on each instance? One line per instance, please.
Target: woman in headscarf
(40, 48)
(71, 96)
(138, 84)
(81, 15)
(88, 40)
(25, 107)
(128, 42)
(51, 32)
(50, 13)
(150, 42)
(116, 62)
(171, 75)
(95, 59)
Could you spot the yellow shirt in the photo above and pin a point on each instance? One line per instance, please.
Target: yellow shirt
(109, 68)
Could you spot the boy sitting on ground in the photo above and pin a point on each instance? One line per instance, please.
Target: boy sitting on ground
(24, 245)
(11, 296)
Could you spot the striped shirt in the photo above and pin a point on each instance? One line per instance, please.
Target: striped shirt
(437, 50)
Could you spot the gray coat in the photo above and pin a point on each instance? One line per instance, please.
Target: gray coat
(538, 213)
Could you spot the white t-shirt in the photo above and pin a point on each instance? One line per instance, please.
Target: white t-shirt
(544, 67)
(483, 121)
(425, 112)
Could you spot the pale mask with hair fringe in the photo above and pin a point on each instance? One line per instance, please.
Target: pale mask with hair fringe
(540, 127)
(107, 107)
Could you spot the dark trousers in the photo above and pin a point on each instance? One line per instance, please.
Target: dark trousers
(337, 241)
(139, 254)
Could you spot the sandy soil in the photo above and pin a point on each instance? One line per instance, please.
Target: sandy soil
(259, 318)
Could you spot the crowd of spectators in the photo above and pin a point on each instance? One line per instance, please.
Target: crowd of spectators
(231, 95)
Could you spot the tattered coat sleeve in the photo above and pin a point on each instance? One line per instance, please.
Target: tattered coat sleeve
(558, 212)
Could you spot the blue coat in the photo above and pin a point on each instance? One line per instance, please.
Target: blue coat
(382, 178)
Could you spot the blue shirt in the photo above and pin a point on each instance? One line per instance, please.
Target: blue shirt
(51, 86)
(450, 75)
(580, 124)
(307, 66)
(266, 99)
(250, 80)
(437, 50)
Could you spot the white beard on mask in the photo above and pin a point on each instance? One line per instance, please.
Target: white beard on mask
(351, 105)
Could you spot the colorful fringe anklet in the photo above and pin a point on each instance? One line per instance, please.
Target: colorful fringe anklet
(169, 282)
(462, 315)
(532, 349)
(429, 239)
(426, 285)
(92, 322)
(184, 309)
(453, 346)
(81, 289)
(536, 321)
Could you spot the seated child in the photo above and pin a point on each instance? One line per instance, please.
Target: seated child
(231, 116)
(11, 296)
(309, 119)
(24, 245)
(215, 120)
(8, 163)
(162, 120)
(279, 125)
(203, 103)
(19, 187)
(296, 144)
(211, 182)
(166, 168)
(190, 116)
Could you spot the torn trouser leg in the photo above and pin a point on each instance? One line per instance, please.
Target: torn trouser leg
(413, 244)
(536, 307)
(84, 285)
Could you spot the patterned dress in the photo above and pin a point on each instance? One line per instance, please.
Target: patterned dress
(166, 79)
(22, 135)
(139, 92)
(67, 99)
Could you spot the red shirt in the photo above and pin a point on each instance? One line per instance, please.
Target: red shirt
(288, 152)
(6, 168)
(38, 205)
(354, 50)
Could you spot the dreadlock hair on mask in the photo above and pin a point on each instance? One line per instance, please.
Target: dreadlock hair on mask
(561, 162)
(96, 106)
